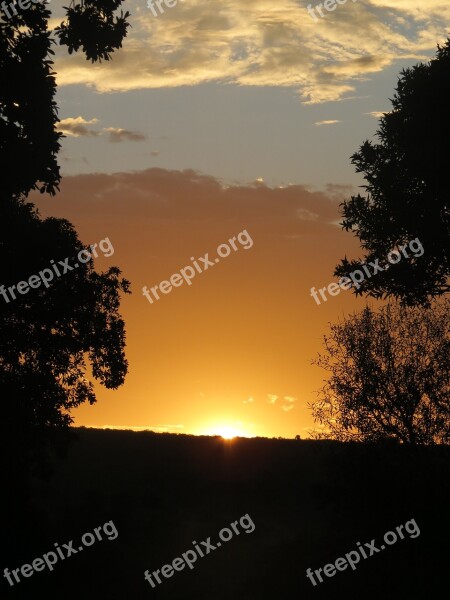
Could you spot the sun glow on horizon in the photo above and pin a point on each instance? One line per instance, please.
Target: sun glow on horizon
(226, 432)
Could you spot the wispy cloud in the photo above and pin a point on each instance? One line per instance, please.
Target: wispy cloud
(307, 215)
(287, 407)
(331, 122)
(272, 398)
(261, 43)
(78, 127)
(375, 114)
(117, 135)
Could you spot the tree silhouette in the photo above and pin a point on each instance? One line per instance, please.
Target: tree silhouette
(51, 336)
(390, 376)
(407, 188)
(29, 140)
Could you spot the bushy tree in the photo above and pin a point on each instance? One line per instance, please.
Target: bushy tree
(29, 140)
(407, 188)
(389, 376)
(51, 337)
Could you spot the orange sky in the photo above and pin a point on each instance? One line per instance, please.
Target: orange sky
(234, 349)
(236, 91)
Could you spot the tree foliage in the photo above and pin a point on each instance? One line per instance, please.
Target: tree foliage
(407, 188)
(93, 26)
(389, 376)
(29, 140)
(51, 339)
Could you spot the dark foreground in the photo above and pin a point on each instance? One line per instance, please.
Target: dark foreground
(310, 502)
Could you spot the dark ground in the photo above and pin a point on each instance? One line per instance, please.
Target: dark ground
(311, 502)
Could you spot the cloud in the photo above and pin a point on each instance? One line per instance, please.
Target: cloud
(272, 398)
(287, 407)
(262, 43)
(290, 398)
(249, 401)
(77, 127)
(158, 194)
(117, 135)
(327, 122)
(306, 215)
(375, 114)
(340, 191)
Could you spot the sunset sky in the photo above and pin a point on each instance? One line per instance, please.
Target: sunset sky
(220, 116)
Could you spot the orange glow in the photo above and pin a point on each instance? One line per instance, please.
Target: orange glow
(229, 355)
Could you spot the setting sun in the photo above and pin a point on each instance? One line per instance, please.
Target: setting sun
(225, 431)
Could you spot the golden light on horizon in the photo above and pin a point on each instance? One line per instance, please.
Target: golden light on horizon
(226, 432)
